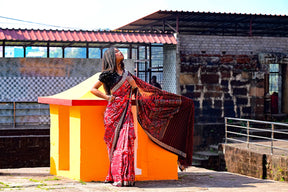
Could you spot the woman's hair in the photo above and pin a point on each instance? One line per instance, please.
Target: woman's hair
(109, 60)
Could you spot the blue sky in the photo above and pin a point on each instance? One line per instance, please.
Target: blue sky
(111, 14)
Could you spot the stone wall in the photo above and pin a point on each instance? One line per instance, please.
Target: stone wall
(277, 167)
(244, 162)
(254, 164)
(24, 152)
(225, 76)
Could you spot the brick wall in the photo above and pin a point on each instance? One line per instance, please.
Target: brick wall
(225, 76)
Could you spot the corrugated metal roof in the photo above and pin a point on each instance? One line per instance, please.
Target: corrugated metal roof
(85, 36)
(211, 23)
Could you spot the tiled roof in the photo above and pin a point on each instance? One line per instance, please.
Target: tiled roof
(85, 36)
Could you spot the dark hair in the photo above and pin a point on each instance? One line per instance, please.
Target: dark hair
(109, 60)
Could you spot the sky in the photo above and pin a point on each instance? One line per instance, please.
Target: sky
(112, 14)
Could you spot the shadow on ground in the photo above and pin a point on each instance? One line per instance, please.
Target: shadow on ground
(205, 179)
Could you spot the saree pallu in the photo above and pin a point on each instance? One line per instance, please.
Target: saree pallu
(167, 118)
(119, 134)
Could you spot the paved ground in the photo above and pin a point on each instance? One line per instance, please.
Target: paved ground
(193, 179)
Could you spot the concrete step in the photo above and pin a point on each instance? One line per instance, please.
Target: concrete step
(198, 161)
(206, 153)
(208, 158)
(198, 158)
(196, 164)
(213, 148)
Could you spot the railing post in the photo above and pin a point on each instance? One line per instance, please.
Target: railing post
(14, 114)
(248, 135)
(225, 130)
(272, 137)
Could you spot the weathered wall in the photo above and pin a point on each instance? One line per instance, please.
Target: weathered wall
(25, 151)
(263, 166)
(244, 162)
(277, 167)
(25, 79)
(225, 76)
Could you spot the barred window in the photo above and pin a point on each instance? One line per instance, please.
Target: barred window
(274, 78)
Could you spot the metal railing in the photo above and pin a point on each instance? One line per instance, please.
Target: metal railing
(256, 132)
(24, 119)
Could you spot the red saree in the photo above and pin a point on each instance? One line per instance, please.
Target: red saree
(119, 135)
(167, 119)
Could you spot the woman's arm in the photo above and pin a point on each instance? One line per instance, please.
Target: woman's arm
(95, 91)
(132, 82)
(134, 86)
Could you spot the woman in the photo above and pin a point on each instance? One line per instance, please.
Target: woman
(118, 119)
(165, 117)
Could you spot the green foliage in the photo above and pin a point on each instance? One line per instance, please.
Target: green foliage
(4, 185)
(82, 182)
(34, 180)
(52, 179)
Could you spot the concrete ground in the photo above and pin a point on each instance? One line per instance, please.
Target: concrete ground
(193, 179)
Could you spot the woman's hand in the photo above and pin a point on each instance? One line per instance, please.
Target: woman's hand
(111, 98)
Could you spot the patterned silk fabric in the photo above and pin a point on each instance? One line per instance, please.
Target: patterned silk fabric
(121, 155)
(167, 119)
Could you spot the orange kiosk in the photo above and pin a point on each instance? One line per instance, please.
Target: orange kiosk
(77, 147)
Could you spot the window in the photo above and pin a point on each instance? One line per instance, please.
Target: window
(275, 88)
(55, 52)
(274, 79)
(145, 69)
(36, 52)
(157, 63)
(14, 51)
(134, 53)
(75, 52)
(95, 53)
(143, 63)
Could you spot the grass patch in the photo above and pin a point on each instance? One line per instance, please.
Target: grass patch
(52, 179)
(34, 180)
(6, 186)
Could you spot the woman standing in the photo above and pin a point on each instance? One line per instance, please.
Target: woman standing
(118, 119)
(165, 117)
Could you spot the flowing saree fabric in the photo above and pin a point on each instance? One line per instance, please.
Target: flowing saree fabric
(167, 119)
(119, 134)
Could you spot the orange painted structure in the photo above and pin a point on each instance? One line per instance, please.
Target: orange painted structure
(77, 147)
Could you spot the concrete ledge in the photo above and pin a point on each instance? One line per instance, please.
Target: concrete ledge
(256, 164)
